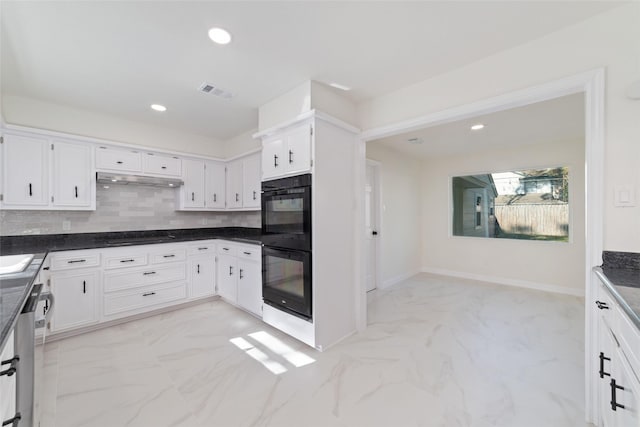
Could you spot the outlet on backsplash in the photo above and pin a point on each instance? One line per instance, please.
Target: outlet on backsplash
(66, 225)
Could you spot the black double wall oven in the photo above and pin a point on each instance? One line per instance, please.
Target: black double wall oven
(286, 235)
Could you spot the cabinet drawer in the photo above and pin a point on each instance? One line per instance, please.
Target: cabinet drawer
(629, 339)
(203, 248)
(127, 260)
(126, 301)
(170, 255)
(162, 165)
(224, 248)
(70, 260)
(117, 280)
(250, 253)
(119, 160)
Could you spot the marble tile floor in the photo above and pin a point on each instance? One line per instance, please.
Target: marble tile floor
(438, 351)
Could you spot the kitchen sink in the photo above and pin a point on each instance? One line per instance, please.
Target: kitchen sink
(10, 264)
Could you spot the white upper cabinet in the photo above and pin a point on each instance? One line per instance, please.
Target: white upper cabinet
(215, 185)
(192, 193)
(288, 153)
(73, 177)
(157, 164)
(25, 172)
(251, 181)
(113, 159)
(234, 184)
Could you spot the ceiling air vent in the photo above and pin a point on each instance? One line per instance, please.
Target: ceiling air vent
(214, 90)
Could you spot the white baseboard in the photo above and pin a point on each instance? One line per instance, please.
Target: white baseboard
(506, 281)
(397, 279)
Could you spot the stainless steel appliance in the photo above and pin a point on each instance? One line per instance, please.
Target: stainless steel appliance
(286, 212)
(286, 235)
(29, 346)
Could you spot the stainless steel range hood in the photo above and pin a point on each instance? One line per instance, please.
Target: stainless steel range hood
(114, 178)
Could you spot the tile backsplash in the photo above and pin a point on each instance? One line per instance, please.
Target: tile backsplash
(122, 208)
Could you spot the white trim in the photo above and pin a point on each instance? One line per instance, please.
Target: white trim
(546, 287)
(543, 92)
(377, 190)
(397, 279)
(592, 83)
(311, 114)
(99, 141)
(245, 154)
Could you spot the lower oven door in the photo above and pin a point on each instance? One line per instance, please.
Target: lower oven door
(286, 280)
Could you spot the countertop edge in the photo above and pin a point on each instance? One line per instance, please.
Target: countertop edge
(611, 287)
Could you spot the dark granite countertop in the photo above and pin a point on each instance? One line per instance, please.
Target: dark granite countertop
(14, 290)
(620, 273)
(11, 245)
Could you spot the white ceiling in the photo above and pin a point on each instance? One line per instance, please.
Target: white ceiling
(119, 57)
(556, 120)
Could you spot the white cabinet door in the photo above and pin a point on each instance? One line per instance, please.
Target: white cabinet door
(118, 160)
(298, 155)
(627, 394)
(75, 294)
(234, 184)
(157, 164)
(7, 383)
(250, 286)
(227, 283)
(72, 175)
(606, 358)
(251, 183)
(273, 164)
(193, 189)
(25, 171)
(215, 185)
(203, 276)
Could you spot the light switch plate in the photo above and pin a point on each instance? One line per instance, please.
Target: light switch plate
(625, 196)
(66, 225)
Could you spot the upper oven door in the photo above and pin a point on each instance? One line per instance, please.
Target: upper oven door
(286, 218)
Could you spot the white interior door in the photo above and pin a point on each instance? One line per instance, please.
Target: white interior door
(372, 225)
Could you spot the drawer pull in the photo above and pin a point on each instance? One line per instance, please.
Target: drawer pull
(119, 162)
(204, 248)
(247, 253)
(148, 294)
(163, 167)
(169, 256)
(225, 249)
(13, 421)
(602, 305)
(614, 404)
(147, 273)
(127, 260)
(12, 366)
(73, 261)
(602, 372)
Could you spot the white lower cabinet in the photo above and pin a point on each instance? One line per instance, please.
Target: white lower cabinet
(250, 286)
(75, 299)
(203, 276)
(618, 371)
(240, 275)
(227, 284)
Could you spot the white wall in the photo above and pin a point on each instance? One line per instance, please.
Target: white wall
(400, 235)
(611, 39)
(550, 264)
(44, 115)
(241, 144)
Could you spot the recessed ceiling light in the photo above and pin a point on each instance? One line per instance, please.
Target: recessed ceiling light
(158, 107)
(339, 86)
(477, 126)
(219, 35)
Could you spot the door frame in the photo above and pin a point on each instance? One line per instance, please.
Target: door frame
(378, 212)
(592, 84)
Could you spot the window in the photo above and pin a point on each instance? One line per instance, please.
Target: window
(530, 204)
